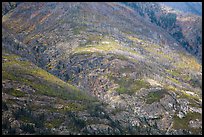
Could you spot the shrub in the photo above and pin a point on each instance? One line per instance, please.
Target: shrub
(155, 96)
(130, 86)
(28, 128)
(4, 106)
(168, 20)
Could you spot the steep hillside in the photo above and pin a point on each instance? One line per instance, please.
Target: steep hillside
(36, 102)
(133, 74)
(183, 27)
(189, 7)
(188, 31)
(7, 6)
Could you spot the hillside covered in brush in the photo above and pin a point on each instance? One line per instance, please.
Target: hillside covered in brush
(100, 68)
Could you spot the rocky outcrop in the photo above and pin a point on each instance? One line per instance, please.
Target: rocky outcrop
(102, 69)
(185, 28)
(7, 6)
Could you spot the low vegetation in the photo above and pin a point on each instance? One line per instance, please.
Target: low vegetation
(129, 86)
(184, 122)
(42, 81)
(155, 96)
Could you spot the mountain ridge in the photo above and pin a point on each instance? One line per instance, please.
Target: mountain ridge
(127, 58)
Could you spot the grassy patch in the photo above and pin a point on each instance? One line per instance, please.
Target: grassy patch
(155, 96)
(17, 93)
(54, 123)
(170, 87)
(129, 86)
(43, 82)
(135, 39)
(175, 73)
(74, 107)
(14, 92)
(104, 45)
(188, 62)
(178, 73)
(184, 122)
(183, 94)
(194, 104)
(10, 102)
(101, 47)
(173, 80)
(91, 39)
(161, 54)
(118, 56)
(186, 77)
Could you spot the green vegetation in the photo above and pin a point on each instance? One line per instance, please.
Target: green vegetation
(179, 74)
(168, 20)
(155, 96)
(74, 107)
(175, 73)
(54, 123)
(65, 107)
(91, 39)
(135, 39)
(170, 88)
(17, 93)
(26, 115)
(104, 45)
(108, 46)
(118, 56)
(79, 29)
(194, 104)
(154, 49)
(42, 81)
(129, 86)
(184, 122)
(37, 36)
(183, 94)
(173, 80)
(193, 99)
(186, 77)
(187, 62)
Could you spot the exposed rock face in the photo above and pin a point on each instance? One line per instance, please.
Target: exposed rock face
(7, 6)
(102, 69)
(189, 7)
(177, 24)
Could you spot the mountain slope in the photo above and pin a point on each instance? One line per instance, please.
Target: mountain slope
(185, 28)
(36, 102)
(189, 7)
(7, 6)
(144, 78)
